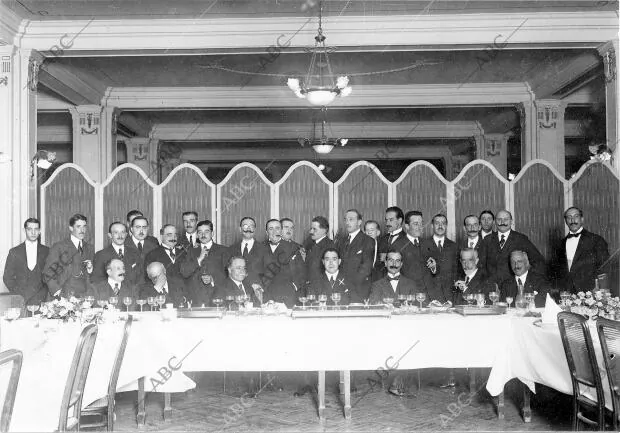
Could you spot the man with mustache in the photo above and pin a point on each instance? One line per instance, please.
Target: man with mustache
(139, 238)
(168, 253)
(115, 284)
(471, 227)
(189, 239)
(495, 250)
(487, 220)
(418, 264)
(445, 253)
(255, 254)
(133, 214)
(320, 242)
(524, 281)
(393, 284)
(580, 255)
(117, 233)
(395, 236)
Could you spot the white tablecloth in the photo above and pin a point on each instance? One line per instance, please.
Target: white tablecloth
(238, 344)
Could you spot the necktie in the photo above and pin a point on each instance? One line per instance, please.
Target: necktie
(120, 253)
(391, 239)
(439, 246)
(173, 256)
(80, 249)
(332, 281)
(206, 250)
(416, 242)
(519, 283)
(396, 278)
(502, 241)
(572, 235)
(467, 281)
(241, 288)
(374, 260)
(245, 251)
(350, 239)
(140, 247)
(116, 289)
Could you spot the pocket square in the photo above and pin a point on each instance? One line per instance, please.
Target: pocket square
(134, 265)
(359, 252)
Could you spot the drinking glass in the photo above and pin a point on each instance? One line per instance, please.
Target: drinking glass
(420, 297)
(217, 302)
(311, 298)
(388, 301)
(521, 303)
(410, 299)
(336, 298)
(127, 300)
(32, 309)
(494, 297)
(479, 297)
(303, 301)
(161, 300)
(151, 301)
(91, 300)
(564, 296)
(113, 301)
(402, 299)
(322, 300)
(141, 303)
(230, 300)
(509, 300)
(529, 298)
(469, 298)
(102, 303)
(239, 301)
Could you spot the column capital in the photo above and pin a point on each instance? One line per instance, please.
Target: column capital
(609, 52)
(549, 112)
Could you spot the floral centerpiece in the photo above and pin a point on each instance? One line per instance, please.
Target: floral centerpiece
(69, 309)
(593, 305)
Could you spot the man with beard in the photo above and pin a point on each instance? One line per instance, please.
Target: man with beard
(487, 220)
(203, 267)
(256, 255)
(115, 284)
(167, 253)
(580, 255)
(117, 233)
(189, 239)
(320, 242)
(495, 250)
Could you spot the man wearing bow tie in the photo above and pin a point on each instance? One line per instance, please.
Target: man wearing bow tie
(168, 253)
(580, 256)
(115, 284)
(70, 262)
(173, 288)
(117, 233)
(189, 239)
(393, 284)
(203, 268)
(333, 281)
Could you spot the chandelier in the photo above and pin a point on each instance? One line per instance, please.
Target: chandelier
(319, 87)
(320, 142)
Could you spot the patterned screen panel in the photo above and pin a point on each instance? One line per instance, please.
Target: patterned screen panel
(539, 206)
(303, 195)
(68, 193)
(244, 194)
(421, 189)
(186, 191)
(127, 191)
(477, 190)
(364, 190)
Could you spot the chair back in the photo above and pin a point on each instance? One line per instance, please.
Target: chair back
(609, 334)
(71, 406)
(581, 358)
(15, 358)
(8, 300)
(116, 368)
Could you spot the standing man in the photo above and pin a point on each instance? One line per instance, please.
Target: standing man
(418, 265)
(471, 226)
(288, 231)
(115, 284)
(204, 265)
(138, 238)
(133, 214)
(130, 257)
(371, 228)
(168, 253)
(189, 238)
(395, 236)
(357, 252)
(487, 220)
(24, 266)
(255, 254)
(70, 262)
(496, 249)
(445, 253)
(320, 242)
(580, 255)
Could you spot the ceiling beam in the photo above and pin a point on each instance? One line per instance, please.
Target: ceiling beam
(69, 86)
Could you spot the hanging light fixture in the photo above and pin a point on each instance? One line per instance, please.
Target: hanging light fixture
(319, 87)
(319, 140)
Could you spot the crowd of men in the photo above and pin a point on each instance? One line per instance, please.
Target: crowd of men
(363, 266)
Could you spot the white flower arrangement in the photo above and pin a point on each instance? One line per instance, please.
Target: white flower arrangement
(594, 304)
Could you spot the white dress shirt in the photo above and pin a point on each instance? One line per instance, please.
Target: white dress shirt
(191, 238)
(505, 235)
(485, 234)
(571, 247)
(76, 242)
(412, 239)
(352, 235)
(240, 284)
(523, 278)
(116, 248)
(330, 276)
(319, 240)
(394, 283)
(136, 241)
(249, 243)
(112, 283)
(471, 243)
(438, 239)
(31, 254)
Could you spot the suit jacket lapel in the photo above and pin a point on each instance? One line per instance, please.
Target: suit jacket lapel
(581, 246)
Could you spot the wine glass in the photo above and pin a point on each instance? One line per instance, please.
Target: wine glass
(564, 296)
(160, 300)
(529, 298)
(336, 298)
(91, 300)
(402, 298)
(303, 301)
(410, 299)
(322, 300)
(388, 301)
(127, 300)
(480, 301)
(311, 298)
(151, 301)
(469, 298)
(102, 303)
(420, 297)
(218, 302)
(141, 303)
(32, 308)
(494, 297)
(113, 301)
(12, 313)
(239, 301)
(509, 300)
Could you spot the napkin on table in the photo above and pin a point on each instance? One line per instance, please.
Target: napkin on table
(549, 316)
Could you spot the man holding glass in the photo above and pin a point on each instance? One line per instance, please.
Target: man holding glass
(524, 281)
(474, 279)
(114, 285)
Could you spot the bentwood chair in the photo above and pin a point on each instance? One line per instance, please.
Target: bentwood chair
(15, 358)
(102, 410)
(71, 406)
(583, 368)
(609, 334)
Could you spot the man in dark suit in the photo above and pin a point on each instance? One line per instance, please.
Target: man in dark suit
(204, 265)
(117, 233)
(357, 252)
(168, 252)
(24, 266)
(393, 284)
(524, 281)
(115, 284)
(160, 283)
(473, 280)
(320, 243)
(418, 265)
(139, 239)
(285, 270)
(133, 214)
(445, 253)
(394, 218)
(256, 255)
(332, 280)
(487, 223)
(371, 228)
(236, 283)
(473, 239)
(580, 255)
(70, 262)
(288, 231)
(189, 239)
(495, 250)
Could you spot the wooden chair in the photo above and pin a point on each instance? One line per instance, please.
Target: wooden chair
(12, 301)
(7, 357)
(71, 406)
(103, 409)
(609, 334)
(583, 368)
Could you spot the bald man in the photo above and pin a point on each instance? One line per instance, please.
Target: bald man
(115, 284)
(171, 287)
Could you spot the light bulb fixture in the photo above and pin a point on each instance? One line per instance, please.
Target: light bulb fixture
(319, 141)
(42, 159)
(319, 87)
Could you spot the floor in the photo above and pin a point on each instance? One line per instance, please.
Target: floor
(208, 408)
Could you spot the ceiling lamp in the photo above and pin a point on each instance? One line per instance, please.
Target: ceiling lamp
(319, 87)
(321, 143)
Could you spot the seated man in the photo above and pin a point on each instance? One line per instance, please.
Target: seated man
(171, 287)
(393, 284)
(524, 281)
(234, 285)
(114, 285)
(474, 279)
(332, 280)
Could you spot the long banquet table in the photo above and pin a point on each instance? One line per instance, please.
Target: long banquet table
(252, 343)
